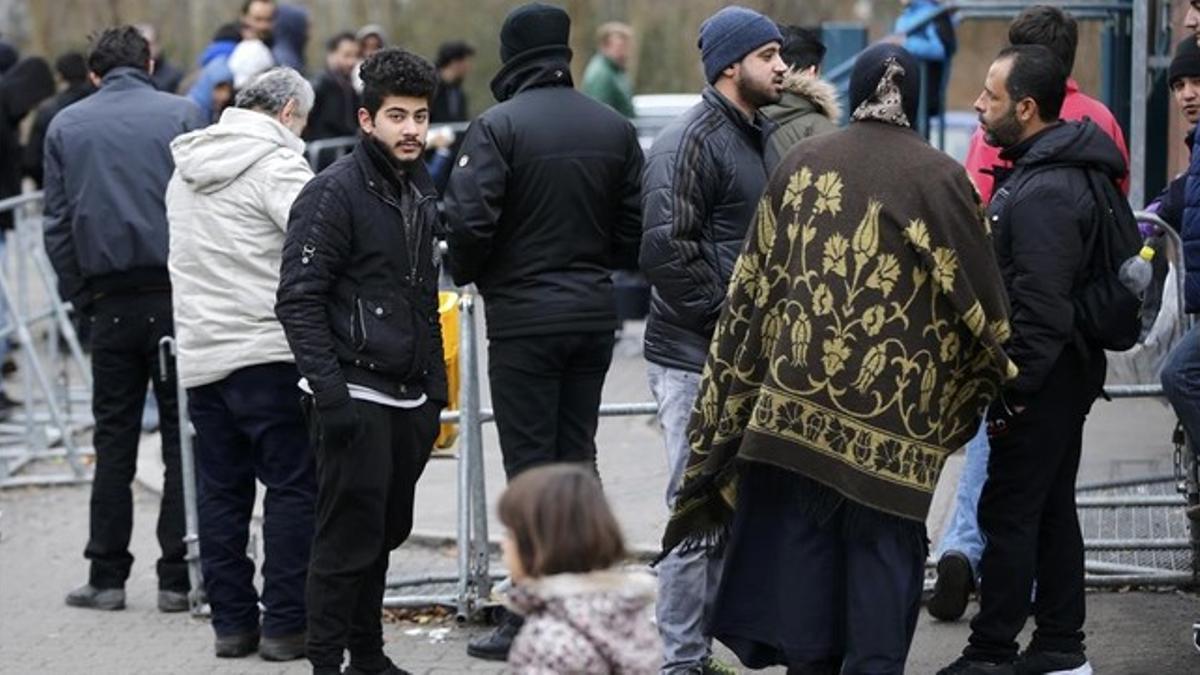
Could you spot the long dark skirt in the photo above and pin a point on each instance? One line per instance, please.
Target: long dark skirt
(815, 582)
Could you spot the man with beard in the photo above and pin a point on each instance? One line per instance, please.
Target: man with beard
(962, 542)
(358, 302)
(863, 334)
(539, 215)
(703, 178)
(1045, 216)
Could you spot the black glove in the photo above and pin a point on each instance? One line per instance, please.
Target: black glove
(339, 425)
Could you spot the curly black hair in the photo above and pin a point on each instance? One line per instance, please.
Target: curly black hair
(395, 72)
(123, 46)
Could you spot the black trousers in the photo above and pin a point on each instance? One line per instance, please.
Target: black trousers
(1027, 512)
(125, 335)
(546, 394)
(364, 510)
(814, 585)
(249, 427)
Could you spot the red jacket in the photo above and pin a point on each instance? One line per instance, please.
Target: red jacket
(1076, 106)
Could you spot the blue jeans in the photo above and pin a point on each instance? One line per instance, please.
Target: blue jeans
(1181, 384)
(963, 534)
(687, 582)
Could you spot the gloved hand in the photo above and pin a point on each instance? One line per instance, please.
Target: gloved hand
(339, 425)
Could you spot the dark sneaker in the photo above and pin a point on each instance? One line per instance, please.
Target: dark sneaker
(90, 597)
(1058, 663)
(282, 648)
(495, 645)
(172, 601)
(952, 589)
(235, 646)
(965, 666)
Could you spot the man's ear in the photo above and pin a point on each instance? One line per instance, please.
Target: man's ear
(150, 67)
(365, 122)
(94, 79)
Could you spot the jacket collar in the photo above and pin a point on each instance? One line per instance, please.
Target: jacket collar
(757, 129)
(1015, 153)
(125, 78)
(542, 67)
(378, 170)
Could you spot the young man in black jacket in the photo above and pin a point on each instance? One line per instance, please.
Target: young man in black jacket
(358, 302)
(1043, 216)
(539, 215)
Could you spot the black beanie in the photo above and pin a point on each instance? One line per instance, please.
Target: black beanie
(1186, 62)
(533, 26)
(869, 69)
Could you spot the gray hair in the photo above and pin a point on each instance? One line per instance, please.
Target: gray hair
(271, 91)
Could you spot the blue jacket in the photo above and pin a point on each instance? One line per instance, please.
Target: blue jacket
(1191, 236)
(108, 160)
(925, 43)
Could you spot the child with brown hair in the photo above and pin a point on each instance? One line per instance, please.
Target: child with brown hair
(582, 613)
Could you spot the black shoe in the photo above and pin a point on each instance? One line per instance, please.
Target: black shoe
(1058, 663)
(953, 587)
(282, 648)
(172, 601)
(965, 666)
(235, 646)
(390, 669)
(90, 597)
(495, 645)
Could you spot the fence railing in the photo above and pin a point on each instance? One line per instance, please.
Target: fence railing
(55, 416)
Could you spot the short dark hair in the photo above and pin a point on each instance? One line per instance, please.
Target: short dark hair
(1038, 74)
(1049, 27)
(450, 52)
(336, 41)
(560, 521)
(803, 47)
(395, 72)
(246, 4)
(123, 46)
(72, 67)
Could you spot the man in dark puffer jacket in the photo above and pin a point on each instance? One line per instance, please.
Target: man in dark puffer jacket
(704, 177)
(542, 206)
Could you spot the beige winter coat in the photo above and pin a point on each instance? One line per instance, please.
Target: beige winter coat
(227, 205)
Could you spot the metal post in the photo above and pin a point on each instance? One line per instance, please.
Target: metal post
(187, 465)
(481, 577)
(1137, 116)
(470, 429)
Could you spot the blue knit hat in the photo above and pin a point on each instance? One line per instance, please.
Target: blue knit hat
(730, 34)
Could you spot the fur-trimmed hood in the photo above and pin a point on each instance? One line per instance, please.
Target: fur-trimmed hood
(820, 95)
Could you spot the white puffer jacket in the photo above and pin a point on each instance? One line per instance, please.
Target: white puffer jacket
(227, 205)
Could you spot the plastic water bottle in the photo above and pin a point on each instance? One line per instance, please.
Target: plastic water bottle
(1136, 273)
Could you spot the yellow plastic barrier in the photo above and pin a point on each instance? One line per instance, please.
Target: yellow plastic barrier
(448, 315)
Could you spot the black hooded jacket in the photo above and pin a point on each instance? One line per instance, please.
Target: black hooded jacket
(543, 202)
(1043, 216)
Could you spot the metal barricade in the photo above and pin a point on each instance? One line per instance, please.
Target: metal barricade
(54, 411)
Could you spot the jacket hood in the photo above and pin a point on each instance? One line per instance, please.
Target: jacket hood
(1079, 143)
(291, 36)
(803, 95)
(216, 72)
(621, 598)
(542, 67)
(210, 159)
(24, 86)
(219, 49)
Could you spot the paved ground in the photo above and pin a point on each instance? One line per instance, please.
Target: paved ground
(42, 532)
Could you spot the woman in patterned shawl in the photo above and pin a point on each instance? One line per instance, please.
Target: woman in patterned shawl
(860, 344)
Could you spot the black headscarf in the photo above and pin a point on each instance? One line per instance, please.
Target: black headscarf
(881, 71)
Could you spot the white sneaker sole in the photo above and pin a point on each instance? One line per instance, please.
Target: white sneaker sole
(1085, 669)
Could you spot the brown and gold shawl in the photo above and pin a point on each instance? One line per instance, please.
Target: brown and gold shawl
(862, 334)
